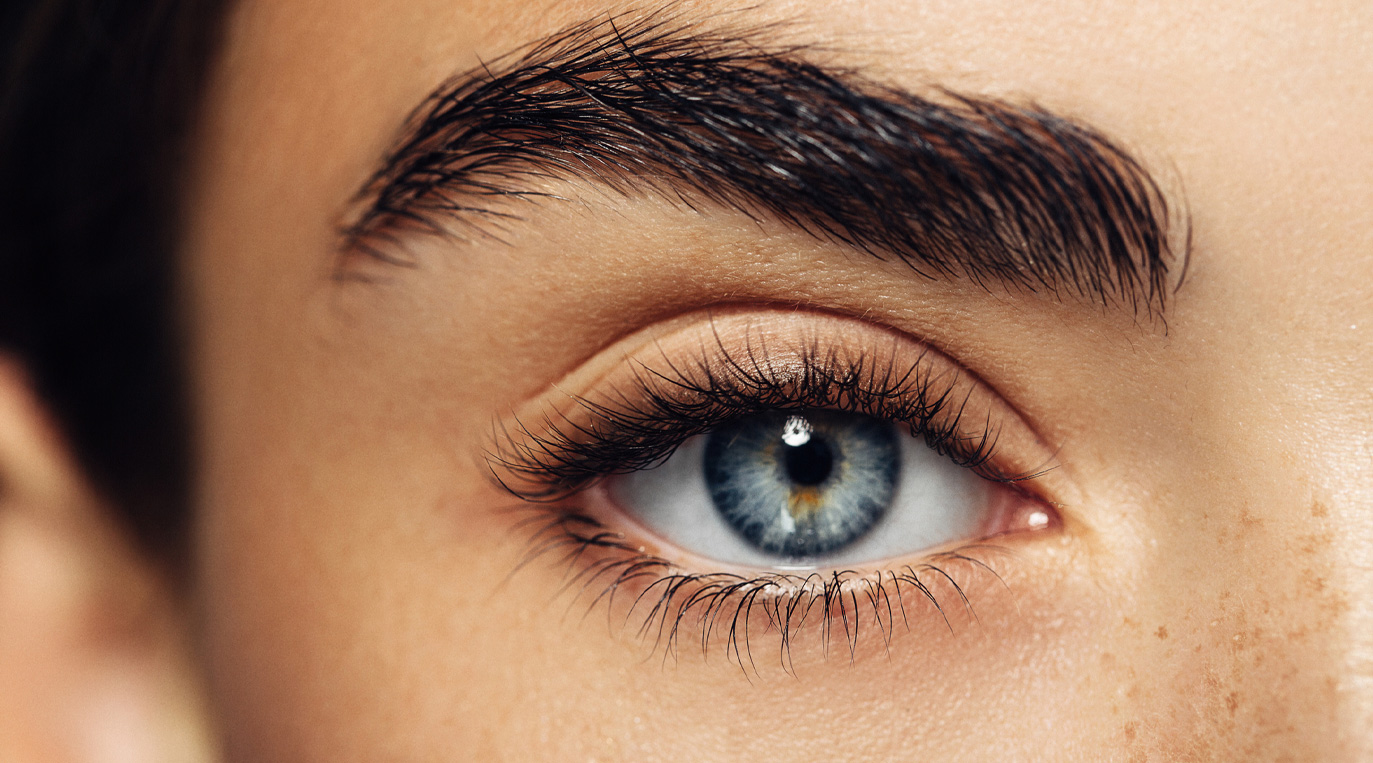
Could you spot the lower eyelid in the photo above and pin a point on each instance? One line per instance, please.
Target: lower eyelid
(789, 614)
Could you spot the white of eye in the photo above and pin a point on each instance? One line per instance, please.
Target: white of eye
(936, 503)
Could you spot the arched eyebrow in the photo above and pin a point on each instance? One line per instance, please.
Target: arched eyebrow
(954, 185)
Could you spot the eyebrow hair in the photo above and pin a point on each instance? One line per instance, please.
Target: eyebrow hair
(953, 185)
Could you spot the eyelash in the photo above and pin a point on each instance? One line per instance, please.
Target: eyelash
(644, 425)
(641, 425)
(723, 605)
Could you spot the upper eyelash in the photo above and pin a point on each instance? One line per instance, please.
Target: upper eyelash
(643, 426)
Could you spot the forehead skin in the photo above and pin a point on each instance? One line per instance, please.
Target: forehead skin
(1210, 597)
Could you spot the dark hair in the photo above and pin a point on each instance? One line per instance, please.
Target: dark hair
(97, 103)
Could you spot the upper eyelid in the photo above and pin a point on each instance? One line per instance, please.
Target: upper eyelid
(544, 424)
(954, 186)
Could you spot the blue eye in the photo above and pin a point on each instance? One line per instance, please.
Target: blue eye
(802, 484)
(799, 489)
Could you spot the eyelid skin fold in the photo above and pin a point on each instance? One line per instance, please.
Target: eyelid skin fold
(629, 408)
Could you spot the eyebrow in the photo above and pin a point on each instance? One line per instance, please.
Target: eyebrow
(953, 185)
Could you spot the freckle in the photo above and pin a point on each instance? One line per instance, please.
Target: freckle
(1318, 510)
(1249, 520)
(1232, 702)
(1314, 542)
(1162, 632)
(1130, 731)
(1336, 607)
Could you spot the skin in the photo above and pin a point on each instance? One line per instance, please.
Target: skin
(1208, 593)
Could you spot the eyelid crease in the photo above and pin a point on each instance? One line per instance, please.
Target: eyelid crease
(954, 185)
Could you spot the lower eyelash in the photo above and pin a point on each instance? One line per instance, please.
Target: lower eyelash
(668, 603)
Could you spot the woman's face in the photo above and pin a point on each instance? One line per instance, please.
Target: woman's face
(1130, 524)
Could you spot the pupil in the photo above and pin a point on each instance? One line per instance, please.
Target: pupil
(809, 463)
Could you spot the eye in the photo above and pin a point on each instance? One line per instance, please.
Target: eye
(753, 472)
(804, 489)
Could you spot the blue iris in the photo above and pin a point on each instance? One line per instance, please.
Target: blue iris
(803, 483)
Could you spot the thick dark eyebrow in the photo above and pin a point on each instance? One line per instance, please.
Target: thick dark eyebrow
(954, 185)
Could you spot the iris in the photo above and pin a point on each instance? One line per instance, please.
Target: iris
(802, 483)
